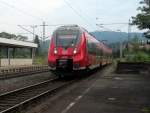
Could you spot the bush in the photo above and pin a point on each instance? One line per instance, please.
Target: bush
(139, 56)
(40, 60)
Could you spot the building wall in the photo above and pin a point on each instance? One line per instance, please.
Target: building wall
(16, 62)
(4, 62)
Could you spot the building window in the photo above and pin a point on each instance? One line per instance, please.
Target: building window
(3, 52)
(22, 53)
(15, 52)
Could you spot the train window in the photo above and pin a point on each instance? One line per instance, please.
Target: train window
(92, 48)
(66, 38)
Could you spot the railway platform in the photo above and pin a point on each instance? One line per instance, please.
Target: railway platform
(16, 53)
(104, 92)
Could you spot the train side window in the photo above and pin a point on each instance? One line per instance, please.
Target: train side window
(89, 44)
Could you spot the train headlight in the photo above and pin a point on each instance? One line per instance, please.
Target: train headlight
(75, 51)
(55, 51)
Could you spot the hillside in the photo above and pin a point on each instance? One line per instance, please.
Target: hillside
(113, 37)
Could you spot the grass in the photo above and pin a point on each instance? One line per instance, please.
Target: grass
(146, 110)
(40, 60)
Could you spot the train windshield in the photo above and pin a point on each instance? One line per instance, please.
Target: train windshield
(66, 38)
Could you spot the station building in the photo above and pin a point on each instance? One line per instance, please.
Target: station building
(16, 53)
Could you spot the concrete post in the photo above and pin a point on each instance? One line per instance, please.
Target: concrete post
(8, 55)
(33, 54)
(0, 55)
(14, 49)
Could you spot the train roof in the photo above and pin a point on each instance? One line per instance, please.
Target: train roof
(71, 27)
(76, 27)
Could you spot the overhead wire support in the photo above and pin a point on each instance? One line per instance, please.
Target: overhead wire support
(25, 29)
(129, 26)
(31, 32)
(101, 26)
(129, 29)
(114, 24)
(44, 25)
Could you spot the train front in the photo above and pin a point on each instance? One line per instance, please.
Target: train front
(66, 51)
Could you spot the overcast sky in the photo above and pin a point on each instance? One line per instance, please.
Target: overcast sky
(81, 12)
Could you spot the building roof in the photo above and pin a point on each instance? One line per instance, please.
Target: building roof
(17, 43)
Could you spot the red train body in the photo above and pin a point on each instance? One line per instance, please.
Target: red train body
(73, 48)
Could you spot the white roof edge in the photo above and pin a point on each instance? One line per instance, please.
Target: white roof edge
(17, 43)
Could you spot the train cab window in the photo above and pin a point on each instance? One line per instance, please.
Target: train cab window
(66, 38)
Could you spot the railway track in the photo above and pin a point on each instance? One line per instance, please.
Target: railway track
(13, 72)
(13, 101)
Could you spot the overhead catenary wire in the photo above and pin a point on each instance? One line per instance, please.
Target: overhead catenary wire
(29, 5)
(20, 10)
(78, 13)
(85, 14)
(101, 26)
(114, 23)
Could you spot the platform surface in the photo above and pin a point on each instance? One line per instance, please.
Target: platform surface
(106, 93)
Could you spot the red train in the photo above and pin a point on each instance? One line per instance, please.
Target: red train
(72, 48)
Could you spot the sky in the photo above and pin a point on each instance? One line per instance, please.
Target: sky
(86, 13)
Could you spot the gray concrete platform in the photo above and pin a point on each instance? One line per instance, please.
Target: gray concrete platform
(107, 92)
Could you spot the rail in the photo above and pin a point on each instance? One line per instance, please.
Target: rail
(8, 72)
(14, 100)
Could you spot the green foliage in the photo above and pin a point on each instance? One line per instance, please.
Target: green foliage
(21, 53)
(142, 20)
(133, 53)
(141, 56)
(41, 52)
(135, 42)
(13, 36)
(22, 38)
(7, 35)
(40, 60)
(37, 41)
(146, 110)
(138, 56)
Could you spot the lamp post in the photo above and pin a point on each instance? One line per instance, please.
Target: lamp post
(33, 32)
(120, 45)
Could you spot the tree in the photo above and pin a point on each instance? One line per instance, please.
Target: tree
(22, 38)
(7, 35)
(135, 41)
(13, 36)
(142, 20)
(37, 41)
